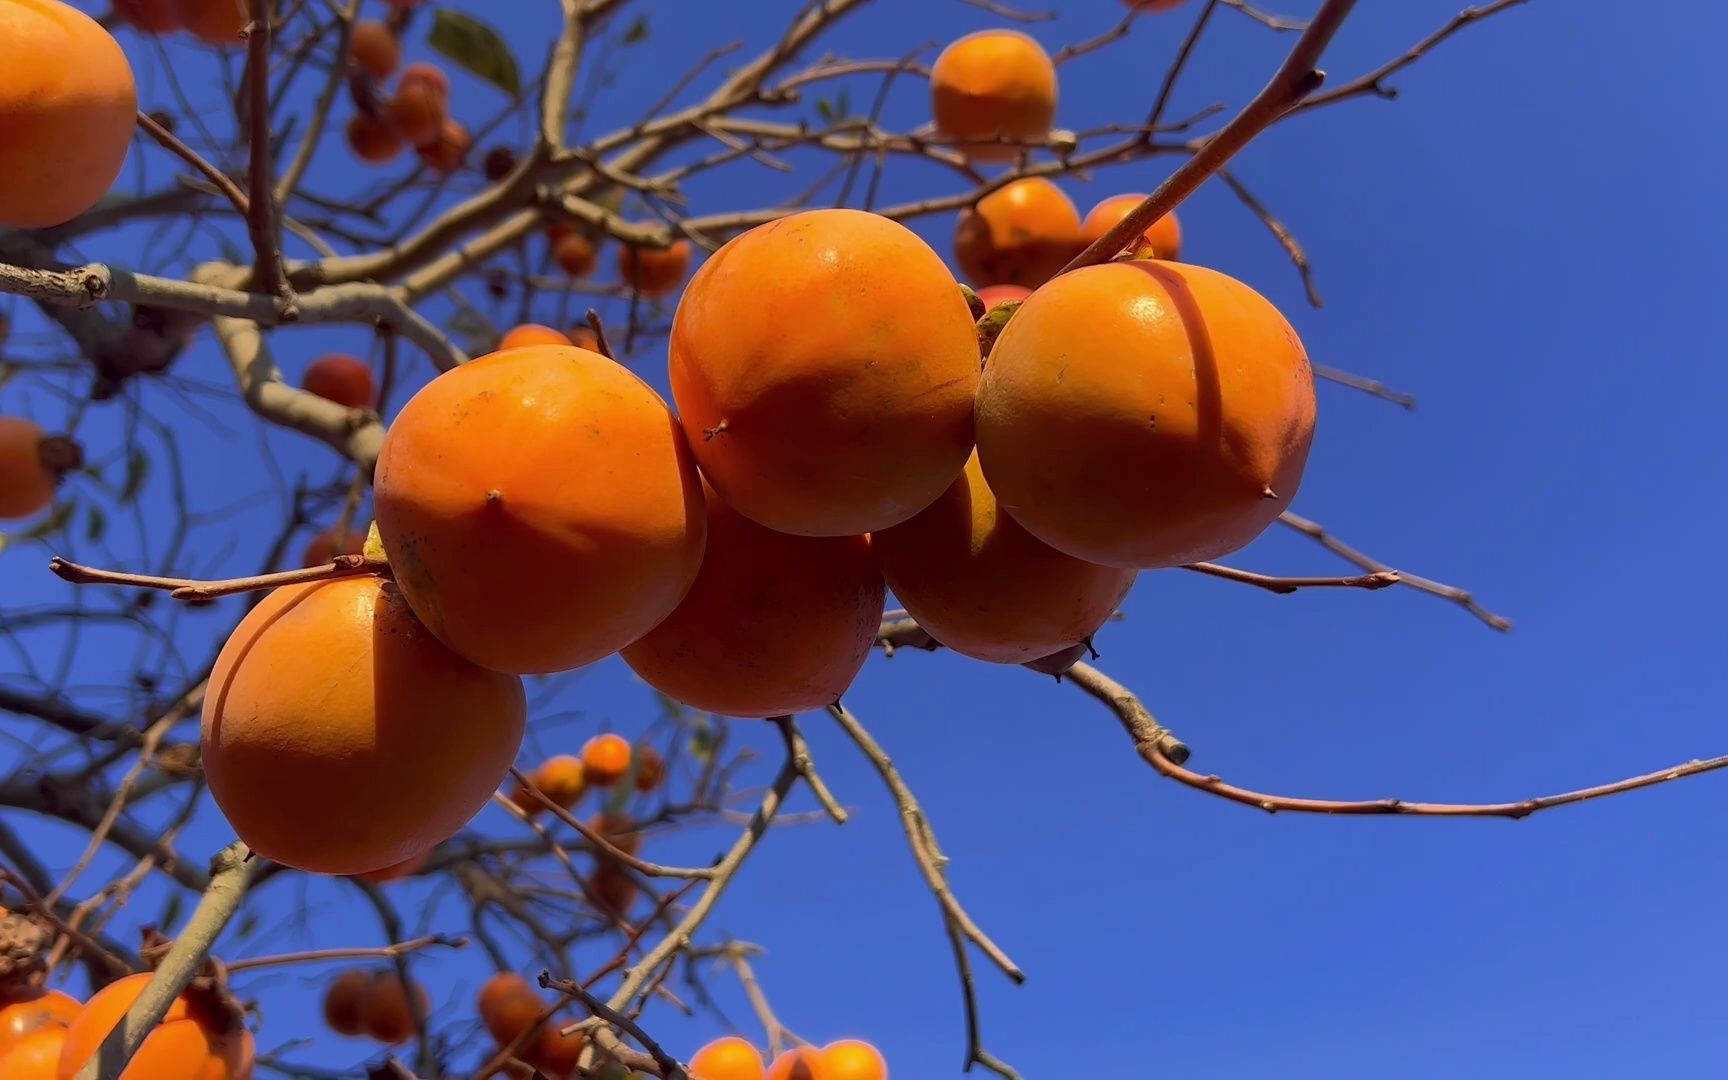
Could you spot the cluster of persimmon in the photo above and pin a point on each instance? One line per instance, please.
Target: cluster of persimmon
(374, 1003)
(732, 1058)
(49, 1035)
(835, 434)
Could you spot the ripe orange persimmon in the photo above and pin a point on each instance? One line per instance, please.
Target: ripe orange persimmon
(418, 107)
(31, 465)
(991, 85)
(446, 149)
(1155, 5)
(35, 1056)
(430, 76)
(613, 888)
(1145, 414)
(68, 105)
(730, 1058)
(327, 545)
(654, 271)
(992, 295)
(775, 623)
(501, 551)
(149, 16)
(650, 767)
(214, 22)
(1057, 663)
(342, 1001)
(531, 334)
(341, 378)
(575, 255)
(341, 737)
(397, 871)
(561, 777)
(852, 1059)
(606, 758)
(618, 829)
(373, 139)
(1161, 240)
(385, 1011)
(24, 1009)
(804, 1063)
(1020, 234)
(508, 1006)
(373, 47)
(824, 366)
(554, 1054)
(985, 587)
(201, 1036)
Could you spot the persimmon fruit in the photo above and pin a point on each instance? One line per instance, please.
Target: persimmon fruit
(344, 379)
(445, 151)
(729, 1058)
(824, 366)
(985, 587)
(340, 736)
(149, 16)
(993, 85)
(650, 768)
(68, 106)
(991, 295)
(374, 139)
(606, 759)
(386, 1013)
(201, 1036)
(35, 1056)
(539, 507)
(531, 334)
(214, 22)
(1020, 234)
(562, 778)
(372, 46)
(852, 1059)
(1161, 240)
(775, 623)
(24, 1009)
(342, 1001)
(654, 271)
(575, 255)
(32, 463)
(1145, 414)
(508, 1006)
(804, 1063)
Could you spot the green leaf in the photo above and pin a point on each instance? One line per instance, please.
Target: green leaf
(137, 468)
(637, 32)
(476, 48)
(95, 524)
(825, 109)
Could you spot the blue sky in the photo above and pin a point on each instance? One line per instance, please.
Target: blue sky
(1528, 241)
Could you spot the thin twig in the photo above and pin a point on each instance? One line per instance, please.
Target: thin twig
(1372, 387)
(1177, 66)
(1294, 80)
(321, 956)
(1280, 232)
(1462, 597)
(342, 566)
(1374, 82)
(800, 751)
(171, 142)
(262, 222)
(1285, 585)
